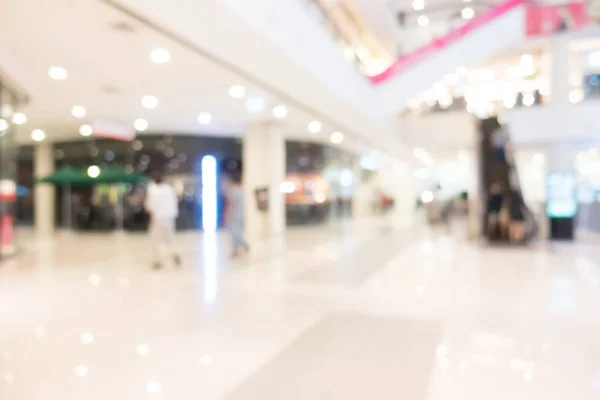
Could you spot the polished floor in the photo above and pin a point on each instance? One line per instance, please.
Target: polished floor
(352, 310)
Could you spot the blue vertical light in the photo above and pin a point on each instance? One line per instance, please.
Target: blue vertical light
(209, 194)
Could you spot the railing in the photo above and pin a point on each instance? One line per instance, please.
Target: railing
(346, 47)
(452, 37)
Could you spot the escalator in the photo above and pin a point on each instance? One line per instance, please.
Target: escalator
(502, 172)
(482, 37)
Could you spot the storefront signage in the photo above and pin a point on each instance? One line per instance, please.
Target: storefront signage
(549, 19)
(112, 130)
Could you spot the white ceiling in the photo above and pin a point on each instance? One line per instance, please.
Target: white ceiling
(80, 36)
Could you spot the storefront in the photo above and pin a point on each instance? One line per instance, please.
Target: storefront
(10, 101)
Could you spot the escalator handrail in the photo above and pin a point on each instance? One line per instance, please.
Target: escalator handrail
(406, 60)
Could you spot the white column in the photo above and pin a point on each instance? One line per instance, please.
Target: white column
(263, 164)
(44, 194)
(560, 70)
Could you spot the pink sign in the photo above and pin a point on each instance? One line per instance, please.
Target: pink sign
(405, 61)
(548, 19)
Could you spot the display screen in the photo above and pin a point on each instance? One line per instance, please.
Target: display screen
(562, 201)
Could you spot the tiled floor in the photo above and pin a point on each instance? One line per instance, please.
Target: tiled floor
(349, 311)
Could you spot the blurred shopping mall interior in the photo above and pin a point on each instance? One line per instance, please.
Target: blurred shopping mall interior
(420, 195)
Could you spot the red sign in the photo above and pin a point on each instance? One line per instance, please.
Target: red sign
(6, 231)
(112, 130)
(545, 19)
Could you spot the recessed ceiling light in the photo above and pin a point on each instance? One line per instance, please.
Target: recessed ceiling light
(528, 100)
(38, 135)
(314, 127)
(160, 56)
(86, 130)
(153, 387)
(57, 73)
(19, 118)
(81, 371)
(149, 101)
(142, 350)
(280, 111)
(467, 13)
(237, 91)
(78, 112)
(423, 20)
(87, 338)
(204, 118)
(418, 5)
(336, 137)
(140, 124)
(3, 125)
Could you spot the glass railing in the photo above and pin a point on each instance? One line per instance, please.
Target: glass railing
(351, 50)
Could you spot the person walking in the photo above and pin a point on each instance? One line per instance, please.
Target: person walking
(162, 205)
(235, 215)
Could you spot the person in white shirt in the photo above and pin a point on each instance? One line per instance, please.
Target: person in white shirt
(163, 206)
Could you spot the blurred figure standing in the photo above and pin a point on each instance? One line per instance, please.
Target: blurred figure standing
(163, 206)
(494, 206)
(517, 217)
(235, 215)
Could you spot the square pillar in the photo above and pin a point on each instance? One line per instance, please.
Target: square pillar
(44, 194)
(560, 70)
(263, 166)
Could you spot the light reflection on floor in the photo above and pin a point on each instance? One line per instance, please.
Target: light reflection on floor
(83, 316)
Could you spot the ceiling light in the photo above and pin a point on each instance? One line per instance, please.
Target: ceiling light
(336, 137)
(206, 360)
(510, 102)
(528, 100)
(93, 171)
(58, 73)
(280, 111)
(423, 20)
(3, 125)
(78, 112)
(19, 118)
(204, 118)
(87, 338)
(142, 350)
(526, 60)
(153, 387)
(86, 130)
(140, 124)
(418, 5)
(38, 135)
(467, 13)
(81, 371)
(576, 96)
(160, 56)
(462, 71)
(314, 127)
(149, 101)
(593, 59)
(237, 91)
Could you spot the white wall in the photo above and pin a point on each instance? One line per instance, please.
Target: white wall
(566, 124)
(453, 130)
